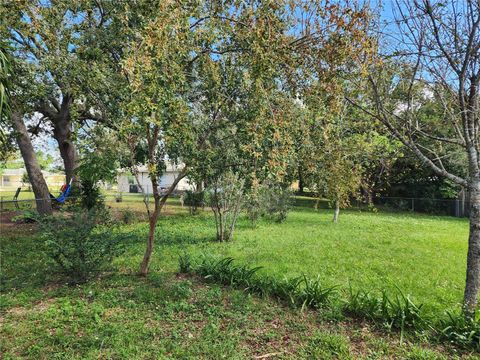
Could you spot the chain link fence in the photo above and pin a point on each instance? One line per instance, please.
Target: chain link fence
(135, 203)
(449, 207)
(124, 206)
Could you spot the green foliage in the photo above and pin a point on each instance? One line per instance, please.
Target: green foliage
(5, 70)
(225, 272)
(90, 194)
(270, 200)
(27, 216)
(226, 197)
(128, 216)
(398, 312)
(312, 293)
(25, 178)
(460, 330)
(278, 201)
(194, 200)
(184, 263)
(81, 244)
(125, 314)
(301, 291)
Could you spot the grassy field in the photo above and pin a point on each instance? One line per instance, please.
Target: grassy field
(168, 316)
(420, 255)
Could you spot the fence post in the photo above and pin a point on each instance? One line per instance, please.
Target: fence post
(413, 204)
(1, 203)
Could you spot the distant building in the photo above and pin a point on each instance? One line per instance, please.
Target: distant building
(13, 178)
(127, 183)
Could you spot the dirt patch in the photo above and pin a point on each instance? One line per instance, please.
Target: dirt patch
(9, 227)
(40, 306)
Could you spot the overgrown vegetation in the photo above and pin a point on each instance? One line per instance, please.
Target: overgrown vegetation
(82, 243)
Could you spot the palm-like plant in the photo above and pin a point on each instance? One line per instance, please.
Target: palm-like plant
(5, 69)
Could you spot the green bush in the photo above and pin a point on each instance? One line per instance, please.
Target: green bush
(90, 194)
(82, 243)
(128, 216)
(279, 202)
(194, 200)
(269, 200)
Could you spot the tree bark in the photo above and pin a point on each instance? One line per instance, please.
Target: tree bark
(152, 221)
(153, 218)
(472, 284)
(336, 211)
(39, 185)
(301, 184)
(62, 132)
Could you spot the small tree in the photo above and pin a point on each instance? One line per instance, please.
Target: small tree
(268, 199)
(438, 54)
(226, 198)
(81, 244)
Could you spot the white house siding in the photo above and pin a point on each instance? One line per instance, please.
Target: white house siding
(166, 181)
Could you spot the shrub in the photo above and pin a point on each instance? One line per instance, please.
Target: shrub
(226, 198)
(279, 201)
(269, 199)
(254, 205)
(82, 243)
(90, 194)
(127, 216)
(194, 200)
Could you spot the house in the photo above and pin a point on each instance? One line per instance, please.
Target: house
(14, 178)
(127, 183)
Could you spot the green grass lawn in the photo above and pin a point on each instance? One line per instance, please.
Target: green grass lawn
(166, 316)
(420, 255)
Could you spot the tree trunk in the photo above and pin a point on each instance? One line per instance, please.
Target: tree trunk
(301, 184)
(62, 132)
(39, 185)
(153, 218)
(336, 212)
(473, 256)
